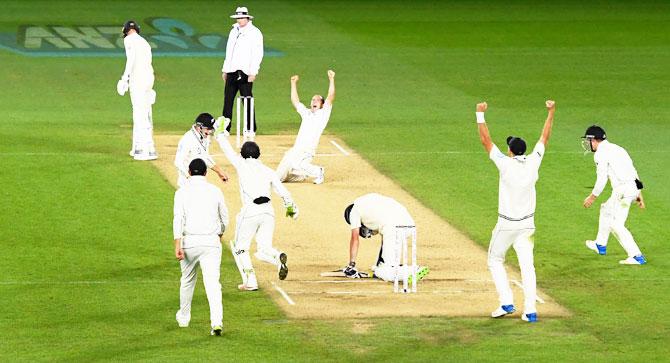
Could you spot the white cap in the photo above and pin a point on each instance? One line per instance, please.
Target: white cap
(241, 12)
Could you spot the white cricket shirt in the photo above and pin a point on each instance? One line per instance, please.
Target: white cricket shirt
(613, 162)
(516, 189)
(255, 180)
(138, 59)
(379, 213)
(311, 127)
(200, 213)
(190, 147)
(244, 50)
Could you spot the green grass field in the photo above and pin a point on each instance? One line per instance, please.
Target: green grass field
(87, 266)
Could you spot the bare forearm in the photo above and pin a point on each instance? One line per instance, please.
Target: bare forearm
(295, 99)
(353, 248)
(331, 91)
(485, 137)
(546, 131)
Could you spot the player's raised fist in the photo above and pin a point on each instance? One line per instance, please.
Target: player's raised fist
(481, 107)
(550, 104)
(331, 74)
(295, 78)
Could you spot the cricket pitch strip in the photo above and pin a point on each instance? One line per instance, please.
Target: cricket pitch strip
(459, 283)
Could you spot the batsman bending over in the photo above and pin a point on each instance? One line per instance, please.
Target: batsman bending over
(373, 214)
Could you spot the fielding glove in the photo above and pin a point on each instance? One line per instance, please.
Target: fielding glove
(220, 126)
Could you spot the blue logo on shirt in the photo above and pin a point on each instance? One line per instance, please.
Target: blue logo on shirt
(168, 38)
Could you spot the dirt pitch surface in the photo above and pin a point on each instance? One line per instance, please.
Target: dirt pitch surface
(459, 283)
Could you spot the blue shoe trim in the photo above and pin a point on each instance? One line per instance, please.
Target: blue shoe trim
(640, 259)
(532, 317)
(601, 249)
(508, 308)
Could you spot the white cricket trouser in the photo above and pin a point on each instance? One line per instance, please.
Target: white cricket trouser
(142, 97)
(296, 166)
(391, 256)
(504, 237)
(262, 227)
(613, 215)
(209, 260)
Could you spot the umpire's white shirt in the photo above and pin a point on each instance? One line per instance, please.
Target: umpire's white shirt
(516, 190)
(138, 60)
(256, 180)
(190, 147)
(311, 127)
(379, 213)
(613, 162)
(244, 50)
(200, 214)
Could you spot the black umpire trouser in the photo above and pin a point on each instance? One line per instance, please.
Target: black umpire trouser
(237, 81)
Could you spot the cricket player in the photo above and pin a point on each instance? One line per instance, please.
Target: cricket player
(257, 215)
(516, 210)
(373, 214)
(200, 218)
(138, 77)
(297, 162)
(195, 144)
(613, 162)
(244, 54)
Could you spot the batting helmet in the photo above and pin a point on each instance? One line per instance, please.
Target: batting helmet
(130, 24)
(205, 120)
(363, 231)
(595, 132)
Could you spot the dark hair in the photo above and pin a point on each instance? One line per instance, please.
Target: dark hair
(250, 150)
(516, 145)
(197, 167)
(347, 212)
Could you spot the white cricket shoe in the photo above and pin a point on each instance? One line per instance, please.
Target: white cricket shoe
(599, 249)
(322, 175)
(244, 287)
(503, 310)
(634, 260)
(145, 156)
(182, 321)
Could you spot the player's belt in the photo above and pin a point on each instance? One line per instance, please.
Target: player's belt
(261, 200)
(515, 219)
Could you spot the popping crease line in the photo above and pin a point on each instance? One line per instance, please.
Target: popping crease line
(339, 148)
(284, 294)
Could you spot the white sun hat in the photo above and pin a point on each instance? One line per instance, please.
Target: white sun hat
(241, 12)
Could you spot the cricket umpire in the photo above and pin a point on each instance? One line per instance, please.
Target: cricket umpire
(244, 53)
(200, 218)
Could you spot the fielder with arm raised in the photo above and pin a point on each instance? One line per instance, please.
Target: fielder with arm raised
(138, 77)
(200, 218)
(195, 144)
(613, 163)
(516, 210)
(256, 218)
(373, 214)
(297, 162)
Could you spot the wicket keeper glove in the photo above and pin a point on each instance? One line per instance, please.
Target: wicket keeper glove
(292, 211)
